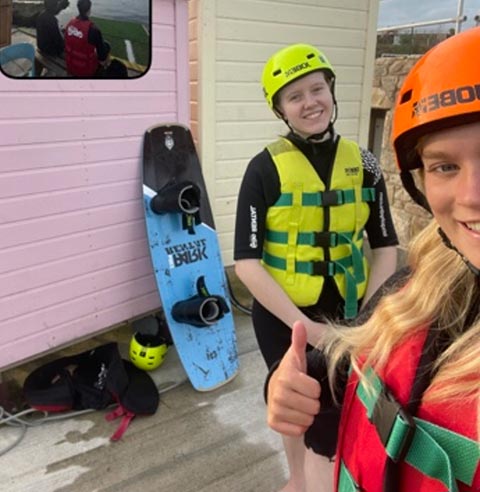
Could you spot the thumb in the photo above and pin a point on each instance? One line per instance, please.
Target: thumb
(299, 345)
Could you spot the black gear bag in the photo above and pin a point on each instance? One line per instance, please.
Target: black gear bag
(94, 379)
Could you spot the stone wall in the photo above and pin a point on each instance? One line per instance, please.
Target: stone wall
(390, 72)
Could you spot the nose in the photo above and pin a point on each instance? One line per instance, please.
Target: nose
(468, 192)
(309, 99)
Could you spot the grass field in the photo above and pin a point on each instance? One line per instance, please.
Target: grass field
(116, 32)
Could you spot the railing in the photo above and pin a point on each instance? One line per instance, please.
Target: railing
(413, 25)
(458, 19)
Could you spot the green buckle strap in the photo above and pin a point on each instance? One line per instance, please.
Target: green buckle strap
(326, 198)
(346, 483)
(325, 269)
(357, 258)
(368, 194)
(431, 449)
(325, 239)
(351, 299)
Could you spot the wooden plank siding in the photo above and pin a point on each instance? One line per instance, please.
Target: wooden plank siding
(74, 259)
(234, 122)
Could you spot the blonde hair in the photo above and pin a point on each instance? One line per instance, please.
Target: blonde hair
(442, 291)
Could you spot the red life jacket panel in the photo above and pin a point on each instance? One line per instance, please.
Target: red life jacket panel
(80, 56)
(360, 449)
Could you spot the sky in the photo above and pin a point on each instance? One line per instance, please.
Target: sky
(399, 12)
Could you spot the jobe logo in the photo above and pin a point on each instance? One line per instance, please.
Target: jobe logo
(352, 171)
(296, 69)
(73, 31)
(186, 253)
(449, 97)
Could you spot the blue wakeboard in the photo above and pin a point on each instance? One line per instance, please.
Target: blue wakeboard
(186, 258)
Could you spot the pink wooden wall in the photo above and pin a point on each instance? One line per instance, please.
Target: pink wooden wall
(73, 253)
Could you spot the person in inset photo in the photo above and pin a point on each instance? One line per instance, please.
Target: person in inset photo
(85, 49)
(50, 39)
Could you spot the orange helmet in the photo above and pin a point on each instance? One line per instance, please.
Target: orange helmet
(441, 90)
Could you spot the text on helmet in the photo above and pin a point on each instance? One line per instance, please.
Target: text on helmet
(297, 68)
(449, 97)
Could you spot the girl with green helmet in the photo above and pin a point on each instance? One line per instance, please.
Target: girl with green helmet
(305, 203)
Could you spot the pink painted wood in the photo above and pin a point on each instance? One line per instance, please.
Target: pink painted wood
(74, 259)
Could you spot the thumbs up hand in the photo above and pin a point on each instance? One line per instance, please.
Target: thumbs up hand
(293, 396)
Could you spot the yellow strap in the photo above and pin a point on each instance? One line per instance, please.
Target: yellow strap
(293, 225)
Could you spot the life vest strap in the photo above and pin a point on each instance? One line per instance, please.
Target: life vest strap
(324, 269)
(295, 214)
(324, 239)
(346, 483)
(436, 452)
(321, 268)
(326, 198)
(357, 256)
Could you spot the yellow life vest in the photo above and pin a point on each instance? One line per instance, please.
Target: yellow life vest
(313, 231)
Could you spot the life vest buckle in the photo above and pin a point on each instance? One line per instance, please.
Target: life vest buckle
(394, 425)
(324, 239)
(332, 197)
(323, 268)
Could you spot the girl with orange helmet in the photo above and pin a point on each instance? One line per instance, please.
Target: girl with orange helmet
(304, 205)
(408, 378)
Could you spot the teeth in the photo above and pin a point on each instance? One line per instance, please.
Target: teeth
(474, 226)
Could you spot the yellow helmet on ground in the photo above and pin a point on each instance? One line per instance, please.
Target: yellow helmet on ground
(147, 351)
(289, 64)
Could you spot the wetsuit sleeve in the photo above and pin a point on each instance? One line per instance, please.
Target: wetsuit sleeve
(258, 191)
(380, 228)
(321, 436)
(95, 37)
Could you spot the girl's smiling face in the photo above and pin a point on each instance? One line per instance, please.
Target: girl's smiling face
(451, 160)
(307, 104)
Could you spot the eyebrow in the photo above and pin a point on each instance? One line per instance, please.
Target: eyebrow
(433, 154)
(316, 84)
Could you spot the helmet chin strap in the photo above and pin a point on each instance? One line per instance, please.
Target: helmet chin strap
(417, 196)
(448, 244)
(316, 137)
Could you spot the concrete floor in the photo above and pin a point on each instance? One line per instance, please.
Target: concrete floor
(216, 441)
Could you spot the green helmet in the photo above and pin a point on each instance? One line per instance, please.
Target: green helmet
(289, 64)
(147, 351)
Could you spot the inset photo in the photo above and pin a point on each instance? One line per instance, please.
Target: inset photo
(62, 39)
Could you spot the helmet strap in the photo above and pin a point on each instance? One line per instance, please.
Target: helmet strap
(448, 244)
(321, 137)
(411, 187)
